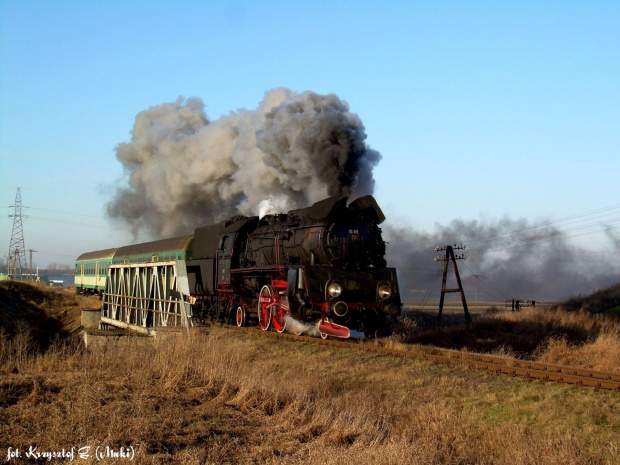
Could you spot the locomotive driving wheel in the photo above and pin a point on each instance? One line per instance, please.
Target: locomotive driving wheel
(266, 302)
(280, 312)
(241, 316)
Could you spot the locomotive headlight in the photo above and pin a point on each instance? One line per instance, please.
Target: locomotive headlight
(384, 292)
(334, 289)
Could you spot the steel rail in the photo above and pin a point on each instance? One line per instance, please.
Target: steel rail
(503, 365)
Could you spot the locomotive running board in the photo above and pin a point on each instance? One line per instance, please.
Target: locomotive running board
(332, 329)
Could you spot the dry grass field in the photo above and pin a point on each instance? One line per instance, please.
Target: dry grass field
(576, 338)
(227, 396)
(581, 331)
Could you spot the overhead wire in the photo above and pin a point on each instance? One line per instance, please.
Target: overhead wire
(75, 223)
(557, 221)
(66, 213)
(507, 239)
(54, 253)
(429, 289)
(585, 223)
(492, 288)
(538, 239)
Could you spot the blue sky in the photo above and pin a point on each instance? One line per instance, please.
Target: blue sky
(481, 110)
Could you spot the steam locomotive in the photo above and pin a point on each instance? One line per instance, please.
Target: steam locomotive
(318, 269)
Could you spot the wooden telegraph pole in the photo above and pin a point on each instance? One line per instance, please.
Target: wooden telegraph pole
(450, 257)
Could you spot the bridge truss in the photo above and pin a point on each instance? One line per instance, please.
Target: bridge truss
(147, 296)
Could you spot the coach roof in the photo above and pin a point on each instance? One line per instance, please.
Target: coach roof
(97, 255)
(184, 243)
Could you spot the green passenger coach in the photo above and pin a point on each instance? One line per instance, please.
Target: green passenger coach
(91, 268)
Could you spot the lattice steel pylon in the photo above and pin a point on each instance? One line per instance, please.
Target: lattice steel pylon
(17, 249)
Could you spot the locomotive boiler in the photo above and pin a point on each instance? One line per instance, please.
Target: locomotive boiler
(318, 269)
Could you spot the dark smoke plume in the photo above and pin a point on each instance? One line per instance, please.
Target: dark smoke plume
(185, 171)
(504, 260)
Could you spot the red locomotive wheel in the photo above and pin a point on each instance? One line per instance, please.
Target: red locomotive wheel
(241, 316)
(279, 318)
(266, 302)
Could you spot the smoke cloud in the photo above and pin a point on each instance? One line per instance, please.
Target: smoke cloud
(185, 171)
(299, 327)
(504, 260)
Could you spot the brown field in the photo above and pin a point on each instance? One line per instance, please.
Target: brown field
(233, 397)
(547, 335)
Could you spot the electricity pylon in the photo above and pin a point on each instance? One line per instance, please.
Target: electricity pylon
(17, 249)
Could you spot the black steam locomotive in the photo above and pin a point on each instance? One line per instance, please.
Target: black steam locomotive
(322, 265)
(318, 269)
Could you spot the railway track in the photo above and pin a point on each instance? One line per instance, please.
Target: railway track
(508, 366)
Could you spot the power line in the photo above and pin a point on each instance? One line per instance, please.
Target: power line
(75, 223)
(430, 288)
(66, 213)
(76, 194)
(556, 221)
(498, 289)
(582, 230)
(406, 270)
(55, 254)
(593, 225)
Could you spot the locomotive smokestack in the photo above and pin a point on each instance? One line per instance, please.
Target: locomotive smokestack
(272, 207)
(184, 170)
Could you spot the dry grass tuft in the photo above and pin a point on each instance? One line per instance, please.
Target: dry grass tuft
(603, 354)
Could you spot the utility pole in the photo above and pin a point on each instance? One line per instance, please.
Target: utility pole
(17, 249)
(450, 257)
(476, 277)
(30, 250)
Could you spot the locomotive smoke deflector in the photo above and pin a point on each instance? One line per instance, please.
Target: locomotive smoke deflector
(369, 209)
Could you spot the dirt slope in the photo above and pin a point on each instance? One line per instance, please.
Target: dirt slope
(42, 311)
